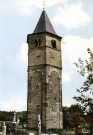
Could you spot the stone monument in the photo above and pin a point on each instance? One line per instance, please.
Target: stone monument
(4, 129)
(39, 125)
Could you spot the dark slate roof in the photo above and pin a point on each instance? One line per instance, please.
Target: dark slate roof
(44, 24)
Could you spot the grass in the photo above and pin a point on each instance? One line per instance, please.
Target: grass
(61, 132)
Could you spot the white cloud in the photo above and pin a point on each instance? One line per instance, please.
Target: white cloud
(27, 6)
(18, 105)
(66, 77)
(22, 55)
(52, 2)
(71, 16)
(15, 99)
(68, 102)
(74, 47)
(22, 58)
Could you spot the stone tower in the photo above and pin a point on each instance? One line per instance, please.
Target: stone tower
(44, 76)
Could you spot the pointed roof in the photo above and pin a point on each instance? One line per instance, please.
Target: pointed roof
(44, 24)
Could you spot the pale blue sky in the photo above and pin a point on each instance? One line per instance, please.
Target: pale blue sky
(72, 19)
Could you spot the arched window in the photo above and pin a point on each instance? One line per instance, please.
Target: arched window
(37, 87)
(37, 42)
(53, 42)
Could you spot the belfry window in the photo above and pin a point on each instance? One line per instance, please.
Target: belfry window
(37, 42)
(53, 42)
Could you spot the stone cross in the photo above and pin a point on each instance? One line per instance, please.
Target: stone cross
(43, 5)
(39, 125)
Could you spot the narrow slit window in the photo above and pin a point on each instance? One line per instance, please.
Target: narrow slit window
(37, 42)
(53, 42)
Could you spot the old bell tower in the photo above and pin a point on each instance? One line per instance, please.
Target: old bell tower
(44, 76)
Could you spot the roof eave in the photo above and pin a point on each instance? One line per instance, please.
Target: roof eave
(46, 32)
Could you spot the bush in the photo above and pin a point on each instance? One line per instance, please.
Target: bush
(61, 132)
(67, 133)
(22, 132)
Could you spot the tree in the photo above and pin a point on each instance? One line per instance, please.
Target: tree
(6, 116)
(75, 108)
(85, 96)
(68, 112)
(23, 118)
(66, 116)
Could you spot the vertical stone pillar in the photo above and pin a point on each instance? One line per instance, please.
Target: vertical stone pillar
(39, 125)
(4, 129)
(14, 118)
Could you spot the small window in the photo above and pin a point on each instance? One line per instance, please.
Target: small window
(38, 106)
(37, 42)
(53, 42)
(37, 87)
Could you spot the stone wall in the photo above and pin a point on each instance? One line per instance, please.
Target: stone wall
(54, 98)
(35, 87)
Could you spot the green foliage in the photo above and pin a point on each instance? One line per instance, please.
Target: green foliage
(86, 70)
(6, 116)
(74, 108)
(23, 119)
(66, 116)
(22, 132)
(85, 96)
(67, 132)
(68, 112)
(60, 132)
(22, 116)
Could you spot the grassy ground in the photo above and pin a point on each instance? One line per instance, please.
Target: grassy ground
(61, 132)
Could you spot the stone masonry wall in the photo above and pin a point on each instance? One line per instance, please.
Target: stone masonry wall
(54, 98)
(44, 82)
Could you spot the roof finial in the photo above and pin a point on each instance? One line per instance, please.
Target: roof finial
(43, 4)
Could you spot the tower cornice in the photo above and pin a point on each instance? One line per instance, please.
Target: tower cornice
(44, 33)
